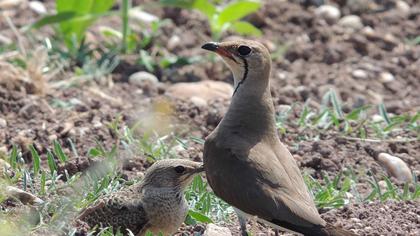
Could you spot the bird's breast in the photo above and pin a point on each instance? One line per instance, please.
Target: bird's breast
(166, 212)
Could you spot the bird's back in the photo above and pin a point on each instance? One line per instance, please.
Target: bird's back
(249, 174)
(123, 209)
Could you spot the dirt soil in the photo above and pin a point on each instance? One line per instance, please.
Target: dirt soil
(317, 56)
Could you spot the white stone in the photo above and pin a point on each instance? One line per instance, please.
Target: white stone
(198, 102)
(38, 7)
(142, 78)
(395, 167)
(377, 118)
(24, 197)
(328, 12)
(351, 21)
(368, 31)
(402, 6)
(52, 137)
(215, 230)
(3, 123)
(359, 74)
(386, 77)
(173, 42)
(282, 75)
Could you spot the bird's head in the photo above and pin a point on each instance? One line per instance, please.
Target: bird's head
(245, 58)
(172, 173)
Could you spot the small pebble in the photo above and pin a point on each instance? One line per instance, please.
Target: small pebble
(215, 230)
(198, 102)
(143, 78)
(377, 118)
(395, 167)
(351, 21)
(24, 197)
(174, 42)
(328, 12)
(52, 137)
(38, 7)
(359, 74)
(386, 77)
(402, 6)
(368, 31)
(3, 123)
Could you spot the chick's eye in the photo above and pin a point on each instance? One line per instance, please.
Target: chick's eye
(244, 50)
(179, 169)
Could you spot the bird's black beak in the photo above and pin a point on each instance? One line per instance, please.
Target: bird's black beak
(215, 47)
(212, 46)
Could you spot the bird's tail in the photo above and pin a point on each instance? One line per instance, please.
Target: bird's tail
(331, 230)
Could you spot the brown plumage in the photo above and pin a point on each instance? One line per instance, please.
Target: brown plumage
(156, 204)
(245, 162)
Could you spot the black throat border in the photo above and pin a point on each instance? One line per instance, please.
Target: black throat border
(243, 77)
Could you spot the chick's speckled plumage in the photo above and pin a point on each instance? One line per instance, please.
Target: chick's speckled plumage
(156, 204)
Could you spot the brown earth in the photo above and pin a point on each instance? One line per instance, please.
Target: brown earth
(317, 56)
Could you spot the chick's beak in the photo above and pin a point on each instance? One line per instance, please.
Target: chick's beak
(215, 47)
(199, 169)
(191, 173)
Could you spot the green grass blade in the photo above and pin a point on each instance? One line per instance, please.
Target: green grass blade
(53, 19)
(73, 147)
(205, 7)
(197, 140)
(13, 157)
(126, 5)
(357, 113)
(43, 183)
(199, 217)
(36, 159)
(58, 151)
(303, 115)
(237, 10)
(336, 104)
(384, 114)
(51, 162)
(187, 4)
(246, 28)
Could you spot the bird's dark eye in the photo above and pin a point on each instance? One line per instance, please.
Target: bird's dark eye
(179, 169)
(244, 50)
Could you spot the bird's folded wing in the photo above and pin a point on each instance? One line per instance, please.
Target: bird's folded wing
(259, 183)
(119, 211)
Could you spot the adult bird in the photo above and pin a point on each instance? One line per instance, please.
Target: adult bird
(156, 204)
(245, 163)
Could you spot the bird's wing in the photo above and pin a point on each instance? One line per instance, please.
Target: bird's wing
(123, 210)
(261, 181)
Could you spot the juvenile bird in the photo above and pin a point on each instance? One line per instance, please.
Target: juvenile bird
(156, 204)
(245, 163)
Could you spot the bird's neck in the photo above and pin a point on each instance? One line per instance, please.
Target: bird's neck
(171, 192)
(251, 111)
